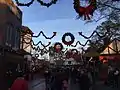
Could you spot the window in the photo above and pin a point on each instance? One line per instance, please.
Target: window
(17, 39)
(12, 37)
(9, 35)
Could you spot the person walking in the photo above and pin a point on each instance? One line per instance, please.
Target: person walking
(47, 76)
(20, 83)
(116, 77)
(84, 81)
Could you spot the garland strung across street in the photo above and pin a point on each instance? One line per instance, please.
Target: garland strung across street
(85, 12)
(47, 4)
(58, 47)
(38, 48)
(78, 42)
(41, 32)
(68, 43)
(94, 32)
(24, 4)
(40, 1)
(88, 41)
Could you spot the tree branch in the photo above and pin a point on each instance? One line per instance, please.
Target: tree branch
(103, 4)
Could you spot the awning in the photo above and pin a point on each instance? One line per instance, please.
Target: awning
(13, 57)
(92, 54)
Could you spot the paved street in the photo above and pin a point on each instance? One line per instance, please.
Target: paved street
(98, 86)
(39, 84)
(101, 86)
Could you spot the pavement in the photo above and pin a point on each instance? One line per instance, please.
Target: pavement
(39, 84)
(98, 86)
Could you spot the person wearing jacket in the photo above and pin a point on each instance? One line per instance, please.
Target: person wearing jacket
(84, 81)
(20, 83)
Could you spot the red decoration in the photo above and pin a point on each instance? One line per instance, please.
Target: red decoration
(85, 11)
(58, 47)
(73, 54)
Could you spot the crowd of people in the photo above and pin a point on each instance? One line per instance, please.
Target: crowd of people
(61, 78)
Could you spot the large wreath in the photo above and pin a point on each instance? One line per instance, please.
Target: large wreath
(85, 11)
(58, 47)
(68, 42)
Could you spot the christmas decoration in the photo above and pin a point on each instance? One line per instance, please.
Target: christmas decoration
(68, 54)
(40, 1)
(41, 32)
(68, 43)
(85, 11)
(47, 4)
(58, 47)
(24, 4)
(74, 51)
(78, 42)
(94, 32)
(38, 48)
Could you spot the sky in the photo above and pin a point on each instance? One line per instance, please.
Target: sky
(60, 18)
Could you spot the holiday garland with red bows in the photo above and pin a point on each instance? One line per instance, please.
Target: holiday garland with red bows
(85, 12)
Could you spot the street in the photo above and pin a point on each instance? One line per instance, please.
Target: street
(39, 84)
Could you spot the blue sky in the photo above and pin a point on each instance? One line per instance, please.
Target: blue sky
(60, 18)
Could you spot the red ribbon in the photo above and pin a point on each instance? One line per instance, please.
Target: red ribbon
(86, 11)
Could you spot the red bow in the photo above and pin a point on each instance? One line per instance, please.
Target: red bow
(86, 11)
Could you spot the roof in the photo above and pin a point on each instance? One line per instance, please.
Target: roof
(23, 52)
(112, 48)
(12, 6)
(91, 52)
(27, 30)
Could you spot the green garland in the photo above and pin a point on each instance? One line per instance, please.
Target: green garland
(40, 1)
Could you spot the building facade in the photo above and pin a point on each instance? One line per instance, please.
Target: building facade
(10, 26)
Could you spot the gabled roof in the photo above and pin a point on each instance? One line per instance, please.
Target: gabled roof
(113, 47)
(91, 52)
(12, 6)
(25, 29)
